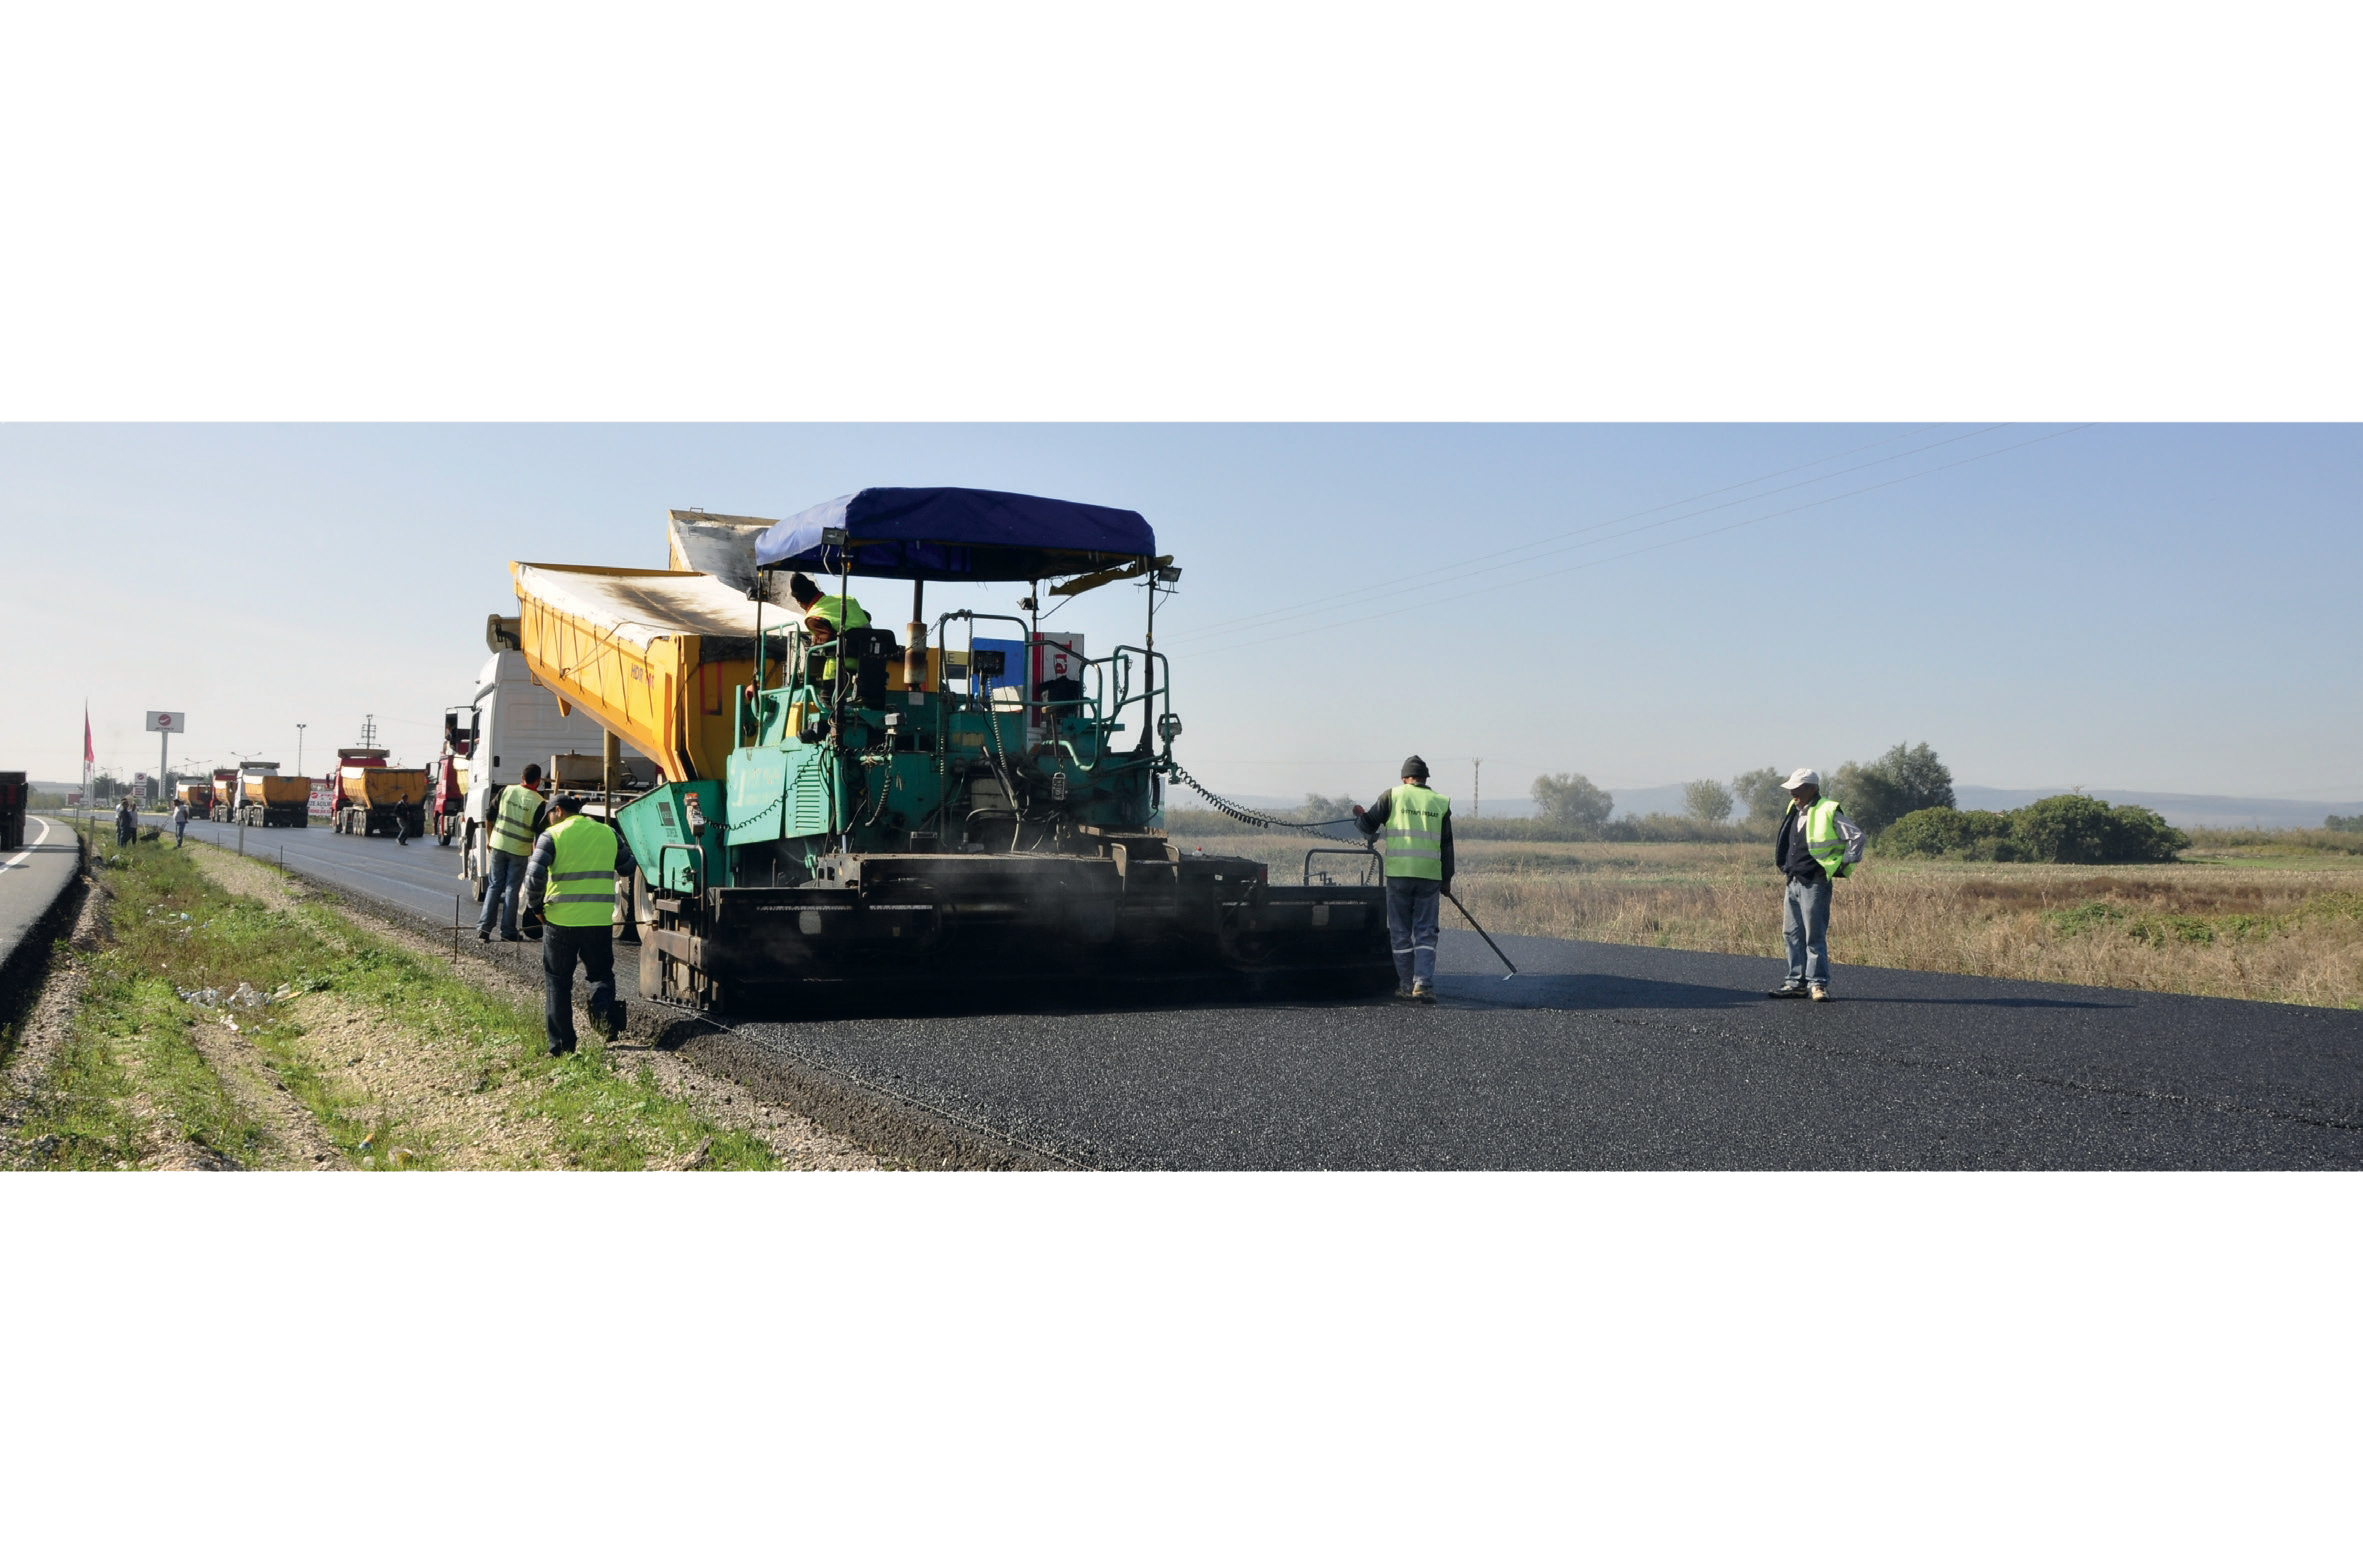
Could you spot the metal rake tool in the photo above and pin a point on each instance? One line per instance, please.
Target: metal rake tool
(1489, 941)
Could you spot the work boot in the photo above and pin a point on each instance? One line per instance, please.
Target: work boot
(1423, 990)
(1790, 991)
(1821, 992)
(562, 1050)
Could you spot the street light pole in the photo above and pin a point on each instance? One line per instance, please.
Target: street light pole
(299, 750)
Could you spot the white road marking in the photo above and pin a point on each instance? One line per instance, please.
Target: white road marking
(28, 853)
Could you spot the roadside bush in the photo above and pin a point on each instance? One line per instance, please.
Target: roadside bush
(2075, 829)
(1941, 832)
(2067, 829)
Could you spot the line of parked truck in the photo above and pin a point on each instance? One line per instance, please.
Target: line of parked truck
(510, 721)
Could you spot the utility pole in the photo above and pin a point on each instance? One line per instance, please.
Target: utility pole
(369, 729)
(1478, 808)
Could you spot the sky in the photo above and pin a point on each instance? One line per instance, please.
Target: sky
(2163, 607)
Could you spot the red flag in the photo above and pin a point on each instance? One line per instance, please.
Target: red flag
(88, 755)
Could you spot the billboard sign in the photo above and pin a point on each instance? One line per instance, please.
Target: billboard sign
(167, 723)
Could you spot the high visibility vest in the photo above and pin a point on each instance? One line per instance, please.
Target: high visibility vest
(1820, 826)
(843, 613)
(1415, 832)
(582, 874)
(512, 823)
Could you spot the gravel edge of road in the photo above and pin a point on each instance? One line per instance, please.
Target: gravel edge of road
(890, 1126)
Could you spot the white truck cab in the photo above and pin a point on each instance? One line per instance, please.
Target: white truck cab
(518, 724)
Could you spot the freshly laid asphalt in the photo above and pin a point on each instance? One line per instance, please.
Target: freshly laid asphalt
(1595, 1057)
(1633, 1058)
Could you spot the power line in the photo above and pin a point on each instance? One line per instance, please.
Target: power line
(1557, 543)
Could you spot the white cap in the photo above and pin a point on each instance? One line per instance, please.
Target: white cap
(1801, 777)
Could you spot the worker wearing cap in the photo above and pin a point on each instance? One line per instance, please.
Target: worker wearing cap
(570, 889)
(1411, 827)
(517, 814)
(1817, 842)
(825, 614)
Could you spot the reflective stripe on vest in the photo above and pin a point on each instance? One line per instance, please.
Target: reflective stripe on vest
(1415, 832)
(512, 824)
(1821, 836)
(582, 874)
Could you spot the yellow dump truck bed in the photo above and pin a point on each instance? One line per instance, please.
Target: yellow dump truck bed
(273, 789)
(652, 656)
(383, 786)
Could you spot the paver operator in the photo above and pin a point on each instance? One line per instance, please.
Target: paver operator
(1416, 847)
(570, 889)
(1817, 842)
(516, 816)
(825, 614)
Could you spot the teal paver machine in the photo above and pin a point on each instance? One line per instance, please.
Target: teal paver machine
(973, 806)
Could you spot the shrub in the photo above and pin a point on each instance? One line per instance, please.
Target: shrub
(2067, 829)
(1940, 832)
(2342, 824)
(1572, 800)
(2075, 829)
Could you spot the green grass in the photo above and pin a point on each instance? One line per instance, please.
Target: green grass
(175, 929)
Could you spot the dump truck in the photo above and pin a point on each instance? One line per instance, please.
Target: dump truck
(863, 813)
(260, 797)
(225, 788)
(374, 799)
(15, 794)
(197, 795)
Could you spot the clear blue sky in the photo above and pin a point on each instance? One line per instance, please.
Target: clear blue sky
(2125, 607)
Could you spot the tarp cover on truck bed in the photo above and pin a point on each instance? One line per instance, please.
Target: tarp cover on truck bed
(958, 535)
(640, 607)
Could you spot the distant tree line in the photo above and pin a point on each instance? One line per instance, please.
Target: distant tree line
(2343, 823)
(1904, 799)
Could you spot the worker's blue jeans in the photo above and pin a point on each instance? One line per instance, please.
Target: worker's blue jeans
(1414, 906)
(1805, 926)
(505, 881)
(562, 947)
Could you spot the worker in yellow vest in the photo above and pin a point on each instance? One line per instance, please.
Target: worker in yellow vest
(825, 614)
(1817, 843)
(1416, 849)
(510, 824)
(570, 889)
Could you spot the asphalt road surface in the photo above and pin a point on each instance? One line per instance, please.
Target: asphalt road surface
(1596, 1057)
(417, 877)
(1610, 1057)
(33, 878)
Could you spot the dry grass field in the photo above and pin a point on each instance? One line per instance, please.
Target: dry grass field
(2258, 922)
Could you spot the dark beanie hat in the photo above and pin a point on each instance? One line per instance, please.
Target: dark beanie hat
(1412, 767)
